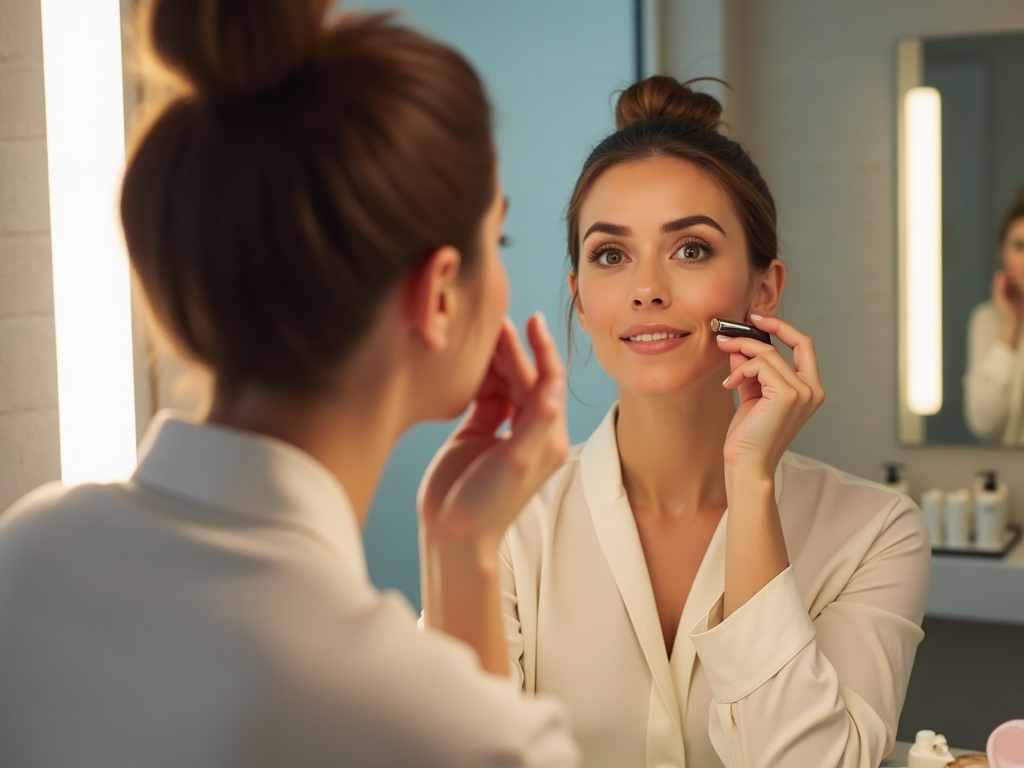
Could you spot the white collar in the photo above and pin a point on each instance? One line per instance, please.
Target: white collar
(249, 474)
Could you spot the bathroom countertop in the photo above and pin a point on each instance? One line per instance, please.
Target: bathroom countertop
(898, 757)
(978, 588)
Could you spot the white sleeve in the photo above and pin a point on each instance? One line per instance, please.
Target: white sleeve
(789, 691)
(510, 614)
(990, 364)
(426, 702)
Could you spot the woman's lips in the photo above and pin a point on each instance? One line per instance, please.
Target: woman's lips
(655, 343)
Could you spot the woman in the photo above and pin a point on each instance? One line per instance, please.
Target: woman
(994, 383)
(314, 215)
(778, 633)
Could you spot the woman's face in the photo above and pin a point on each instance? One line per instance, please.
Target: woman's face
(485, 295)
(1013, 253)
(663, 253)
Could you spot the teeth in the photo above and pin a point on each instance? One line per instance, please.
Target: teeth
(654, 336)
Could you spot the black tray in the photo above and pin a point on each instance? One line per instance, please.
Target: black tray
(1010, 537)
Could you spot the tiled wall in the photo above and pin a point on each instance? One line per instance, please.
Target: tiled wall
(29, 448)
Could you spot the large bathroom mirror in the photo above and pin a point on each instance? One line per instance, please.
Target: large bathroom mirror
(961, 172)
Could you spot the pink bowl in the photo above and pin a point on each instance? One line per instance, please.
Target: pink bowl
(1006, 745)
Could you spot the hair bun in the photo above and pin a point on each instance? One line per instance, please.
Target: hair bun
(663, 96)
(232, 50)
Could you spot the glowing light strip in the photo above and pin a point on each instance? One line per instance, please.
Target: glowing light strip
(923, 144)
(91, 288)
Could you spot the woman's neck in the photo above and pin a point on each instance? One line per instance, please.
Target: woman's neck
(350, 436)
(670, 449)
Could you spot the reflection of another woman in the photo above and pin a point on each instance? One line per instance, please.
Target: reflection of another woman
(778, 633)
(994, 384)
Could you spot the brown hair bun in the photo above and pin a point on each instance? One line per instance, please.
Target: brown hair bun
(232, 50)
(663, 96)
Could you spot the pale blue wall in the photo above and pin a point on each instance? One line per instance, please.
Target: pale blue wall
(551, 69)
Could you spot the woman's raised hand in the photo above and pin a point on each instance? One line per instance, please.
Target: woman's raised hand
(1010, 302)
(775, 399)
(481, 478)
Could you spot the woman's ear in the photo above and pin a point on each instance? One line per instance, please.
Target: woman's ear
(768, 287)
(431, 297)
(581, 314)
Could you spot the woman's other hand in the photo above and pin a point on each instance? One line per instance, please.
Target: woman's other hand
(1010, 302)
(775, 399)
(481, 478)
(479, 482)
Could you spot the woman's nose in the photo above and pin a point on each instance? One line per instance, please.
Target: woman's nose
(650, 289)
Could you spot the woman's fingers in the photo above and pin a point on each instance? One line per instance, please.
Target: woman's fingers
(533, 397)
(550, 369)
(513, 365)
(804, 357)
(743, 350)
(540, 427)
(805, 360)
(493, 488)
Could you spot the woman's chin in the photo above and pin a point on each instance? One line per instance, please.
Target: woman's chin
(675, 383)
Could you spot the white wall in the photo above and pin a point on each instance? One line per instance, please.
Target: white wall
(29, 448)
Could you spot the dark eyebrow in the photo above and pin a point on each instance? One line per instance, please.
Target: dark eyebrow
(609, 229)
(688, 221)
(669, 226)
(505, 211)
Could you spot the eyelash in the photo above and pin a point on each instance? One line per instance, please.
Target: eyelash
(595, 255)
(504, 241)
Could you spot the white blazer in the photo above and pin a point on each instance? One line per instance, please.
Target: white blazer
(215, 612)
(811, 672)
(994, 382)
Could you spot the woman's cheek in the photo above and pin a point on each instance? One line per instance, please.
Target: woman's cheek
(723, 300)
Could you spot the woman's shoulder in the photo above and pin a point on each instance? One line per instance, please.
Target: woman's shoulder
(984, 312)
(54, 505)
(811, 480)
(824, 506)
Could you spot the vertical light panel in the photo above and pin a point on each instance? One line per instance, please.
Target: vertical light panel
(92, 306)
(923, 206)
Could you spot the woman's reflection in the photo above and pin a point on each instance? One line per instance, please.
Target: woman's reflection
(994, 383)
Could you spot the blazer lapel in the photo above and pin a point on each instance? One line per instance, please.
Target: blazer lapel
(616, 531)
(708, 586)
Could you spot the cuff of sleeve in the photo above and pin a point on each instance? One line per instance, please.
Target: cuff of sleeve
(999, 362)
(744, 651)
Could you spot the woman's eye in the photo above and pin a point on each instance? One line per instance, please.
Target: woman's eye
(609, 258)
(693, 251)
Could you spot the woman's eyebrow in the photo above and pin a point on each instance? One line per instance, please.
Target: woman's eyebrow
(688, 221)
(609, 229)
(675, 225)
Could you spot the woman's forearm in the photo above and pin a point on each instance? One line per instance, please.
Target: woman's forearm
(461, 597)
(755, 550)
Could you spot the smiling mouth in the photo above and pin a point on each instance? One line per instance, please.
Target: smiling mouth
(655, 336)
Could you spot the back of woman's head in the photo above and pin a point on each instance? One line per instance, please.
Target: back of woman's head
(661, 117)
(1013, 214)
(298, 172)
